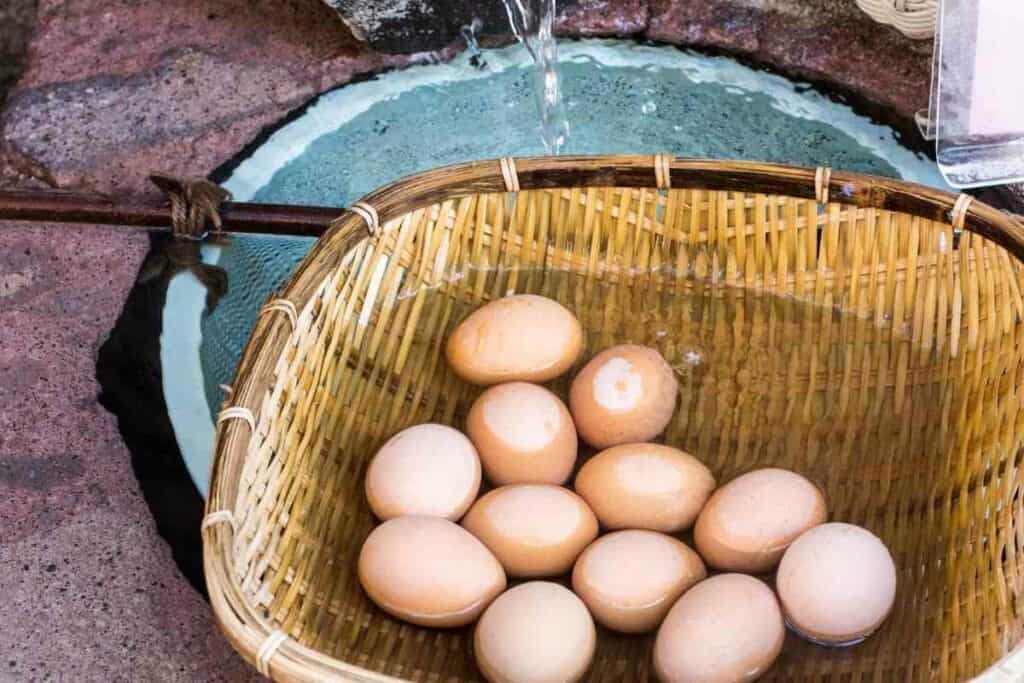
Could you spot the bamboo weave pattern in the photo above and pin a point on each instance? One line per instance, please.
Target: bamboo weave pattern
(877, 352)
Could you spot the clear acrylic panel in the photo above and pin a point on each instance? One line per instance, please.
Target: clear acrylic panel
(980, 93)
(926, 118)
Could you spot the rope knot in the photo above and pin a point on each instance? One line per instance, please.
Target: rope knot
(194, 203)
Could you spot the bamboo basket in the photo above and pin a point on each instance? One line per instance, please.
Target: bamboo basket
(915, 19)
(863, 331)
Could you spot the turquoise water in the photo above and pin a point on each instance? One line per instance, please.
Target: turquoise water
(614, 110)
(620, 97)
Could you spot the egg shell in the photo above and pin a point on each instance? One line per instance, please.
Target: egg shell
(537, 632)
(645, 486)
(630, 579)
(726, 629)
(428, 469)
(534, 530)
(523, 433)
(837, 584)
(747, 524)
(522, 337)
(429, 571)
(624, 394)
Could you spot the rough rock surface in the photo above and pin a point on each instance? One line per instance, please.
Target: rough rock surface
(90, 590)
(113, 91)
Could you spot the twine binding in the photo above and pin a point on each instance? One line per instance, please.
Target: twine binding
(509, 173)
(822, 177)
(239, 413)
(218, 517)
(663, 171)
(285, 306)
(194, 202)
(267, 651)
(958, 214)
(369, 216)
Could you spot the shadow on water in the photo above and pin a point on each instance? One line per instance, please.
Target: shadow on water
(129, 374)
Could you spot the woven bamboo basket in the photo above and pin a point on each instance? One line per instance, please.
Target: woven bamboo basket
(915, 19)
(863, 331)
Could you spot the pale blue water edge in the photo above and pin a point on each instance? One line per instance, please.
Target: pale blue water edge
(621, 98)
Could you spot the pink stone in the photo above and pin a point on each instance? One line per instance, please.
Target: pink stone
(91, 587)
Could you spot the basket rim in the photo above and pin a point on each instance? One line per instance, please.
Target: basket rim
(243, 626)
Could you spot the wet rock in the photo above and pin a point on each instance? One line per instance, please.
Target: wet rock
(403, 26)
(416, 25)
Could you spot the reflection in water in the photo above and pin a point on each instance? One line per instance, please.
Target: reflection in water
(170, 257)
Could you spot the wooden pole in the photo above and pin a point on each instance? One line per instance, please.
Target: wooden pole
(152, 211)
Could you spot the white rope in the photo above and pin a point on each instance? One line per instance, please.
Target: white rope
(663, 171)
(959, 213)
(238, 413)
(218, 517)
(509, 173)
(368, 214)
(267, 650)
(286, 307)
(822, 177)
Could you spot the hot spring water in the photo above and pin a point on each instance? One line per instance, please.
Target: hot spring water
(532, 23)
(620, 98)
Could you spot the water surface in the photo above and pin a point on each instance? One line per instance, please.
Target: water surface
(620, 97)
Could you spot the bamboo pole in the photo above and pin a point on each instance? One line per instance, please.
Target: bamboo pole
(152, 211)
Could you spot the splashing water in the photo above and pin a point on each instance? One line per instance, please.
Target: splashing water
(469, 34)
(532, 22)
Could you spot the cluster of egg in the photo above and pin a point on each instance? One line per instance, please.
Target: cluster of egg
(836, 582)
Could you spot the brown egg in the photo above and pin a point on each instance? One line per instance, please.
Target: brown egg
(523, 337)
(630, 579)
(727, 629)
(645, 486)
(429, 469)
(624, 394)
(837, 584)
(537, 632)
(748, 523)
(429, 571)
(533, 529)
(523, 433)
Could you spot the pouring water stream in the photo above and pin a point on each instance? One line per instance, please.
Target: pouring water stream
(532, 23)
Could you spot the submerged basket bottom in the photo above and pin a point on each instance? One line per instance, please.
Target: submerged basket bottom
(918, 444)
